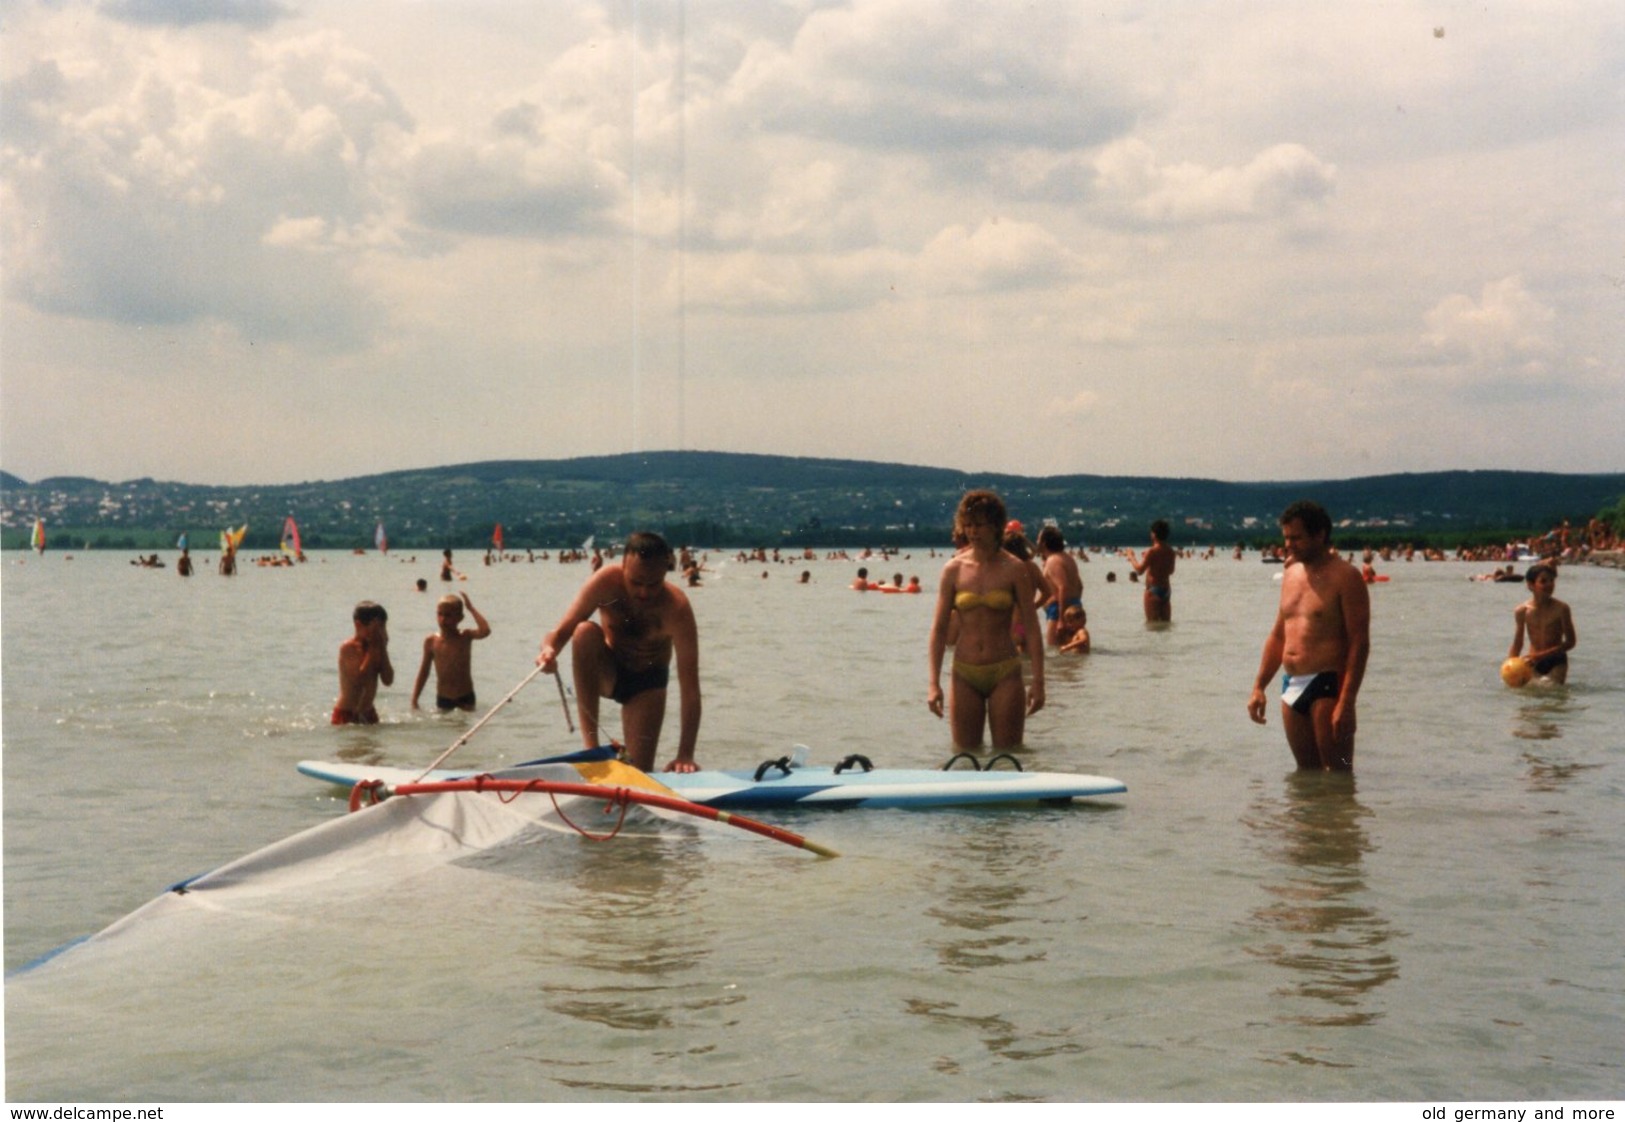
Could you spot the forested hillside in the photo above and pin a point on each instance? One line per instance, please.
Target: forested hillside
(728, 499)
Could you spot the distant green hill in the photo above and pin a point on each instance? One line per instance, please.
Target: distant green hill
(731, 500)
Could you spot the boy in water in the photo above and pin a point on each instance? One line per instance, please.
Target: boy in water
(1548, 624)
(450, 652)
(363, 663)
(1072, 636)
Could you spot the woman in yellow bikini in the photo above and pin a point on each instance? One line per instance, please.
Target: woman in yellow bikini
(989, 589)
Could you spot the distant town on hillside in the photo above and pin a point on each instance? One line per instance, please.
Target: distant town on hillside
(714, 499)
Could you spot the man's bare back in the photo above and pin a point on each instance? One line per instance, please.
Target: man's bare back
(1157, 566)
(1064, 580)
(1159, 562)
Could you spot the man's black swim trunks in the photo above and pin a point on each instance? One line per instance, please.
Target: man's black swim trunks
(630, 683)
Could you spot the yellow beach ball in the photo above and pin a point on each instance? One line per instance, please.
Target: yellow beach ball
(1517, 673)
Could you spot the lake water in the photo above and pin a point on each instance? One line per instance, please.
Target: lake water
(1443, 927)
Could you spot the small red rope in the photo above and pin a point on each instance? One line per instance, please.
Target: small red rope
(617, 797)
(565, 818)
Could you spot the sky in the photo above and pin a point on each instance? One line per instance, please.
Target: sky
(271, 241)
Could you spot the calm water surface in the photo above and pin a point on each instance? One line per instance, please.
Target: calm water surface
(1444, 926)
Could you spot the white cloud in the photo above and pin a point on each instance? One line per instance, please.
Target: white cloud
(999, 255)
(1278, 182)
(158, 182)
(1506, 324)
(807, 208)
(513, 186)
(942, 77)
(1080, 404)
(299, 233)
(751, 282)
(557, 223)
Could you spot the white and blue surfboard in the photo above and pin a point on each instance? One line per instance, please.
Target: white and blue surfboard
(788, 783)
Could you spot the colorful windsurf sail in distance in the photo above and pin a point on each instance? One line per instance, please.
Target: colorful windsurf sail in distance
(230, 539)
(380, 539)
(290, 539)
(496, 538)
(38, 538)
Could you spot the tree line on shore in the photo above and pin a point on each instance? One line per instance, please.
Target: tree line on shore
(724, 500)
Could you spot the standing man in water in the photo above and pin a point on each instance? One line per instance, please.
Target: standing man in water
(1065, 582)
(1157, 566)
(1321, 639)
(643, 623)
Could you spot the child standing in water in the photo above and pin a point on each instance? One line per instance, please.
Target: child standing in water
(363, 664)
(450, 652)
(1547, 623)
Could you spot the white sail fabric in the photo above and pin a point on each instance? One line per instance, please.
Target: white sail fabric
(368, 850)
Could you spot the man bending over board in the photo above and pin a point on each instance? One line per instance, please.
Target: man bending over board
(1321, 638)
(363, 663)
(626, 655)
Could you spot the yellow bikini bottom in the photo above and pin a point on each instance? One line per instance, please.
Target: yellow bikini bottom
(984, 678)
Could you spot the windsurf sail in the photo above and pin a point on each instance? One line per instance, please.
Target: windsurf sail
(231, 539)
(380, 539)
(180, 542)
(488, 823)
(290, 539)
(496, 538)
(38, 538)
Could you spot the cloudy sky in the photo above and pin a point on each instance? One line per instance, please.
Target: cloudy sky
(261, 241)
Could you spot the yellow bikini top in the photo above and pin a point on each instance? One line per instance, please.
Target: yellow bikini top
(999, 600)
